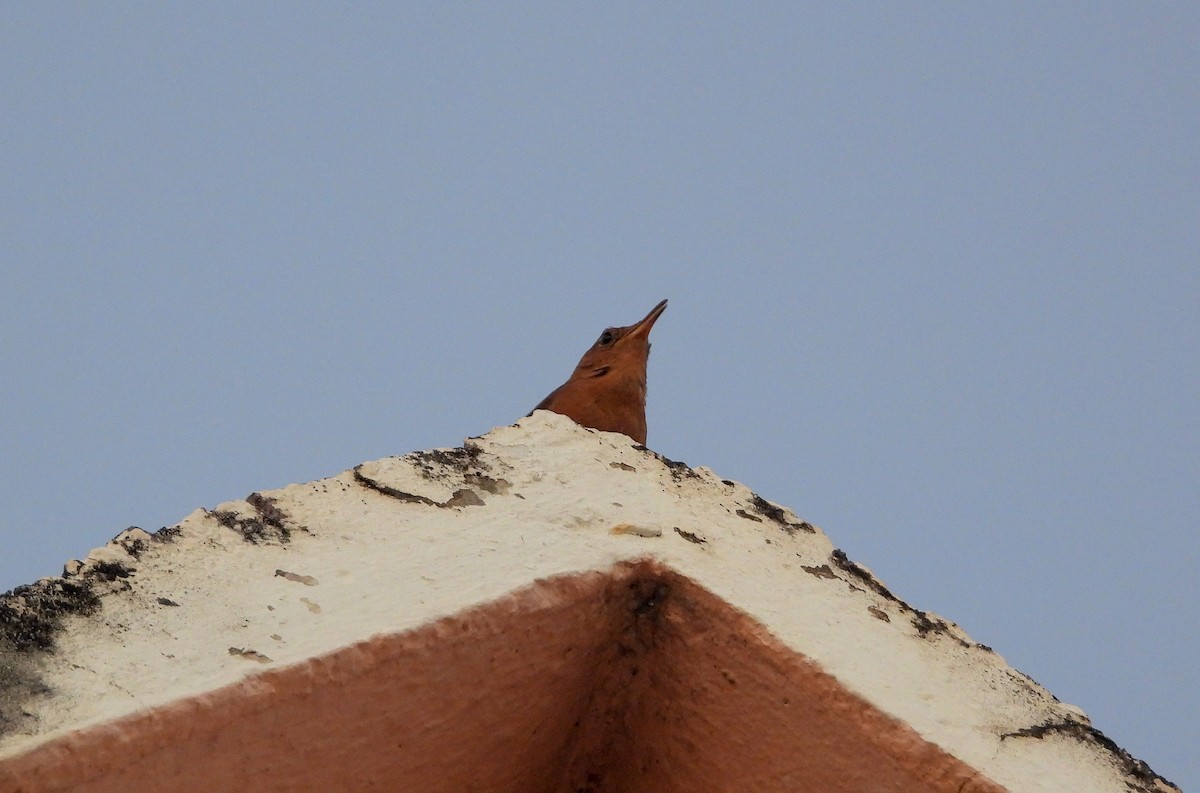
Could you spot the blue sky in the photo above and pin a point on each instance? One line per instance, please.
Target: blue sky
(932, 268)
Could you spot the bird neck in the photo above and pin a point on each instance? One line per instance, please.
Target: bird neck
(613, 383)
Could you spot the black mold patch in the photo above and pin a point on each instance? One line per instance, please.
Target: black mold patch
(679, 470)
(1023, 679)
(19, 683)
(135, 546)
(30, 615)
(271, 514)
(841, 560)
(166, 602)
(1139, 776)
(391, 492)
(689, 536)
(921, 621)
(167, 534)
(648, 596)
(462, 497)
(926, 625)
(649, 593)
(820, 571)
(110, 571)
(458, 457)
(269, 525)
(741, 513)
(777, 514)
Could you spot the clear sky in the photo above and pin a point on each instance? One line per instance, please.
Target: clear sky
(933, 272)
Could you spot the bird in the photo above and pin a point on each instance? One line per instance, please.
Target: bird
(607, 390)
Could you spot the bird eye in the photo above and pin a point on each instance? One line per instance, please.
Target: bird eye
(606, 337)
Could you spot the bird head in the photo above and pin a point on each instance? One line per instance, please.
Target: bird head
(621, 351)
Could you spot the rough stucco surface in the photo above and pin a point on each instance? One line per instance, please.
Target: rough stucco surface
(596, 617)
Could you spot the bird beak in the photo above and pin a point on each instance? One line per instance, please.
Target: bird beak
(643, 327)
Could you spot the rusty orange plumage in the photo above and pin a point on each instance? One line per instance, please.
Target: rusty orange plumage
(607, 390)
